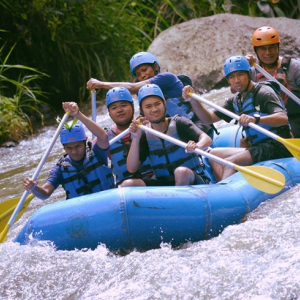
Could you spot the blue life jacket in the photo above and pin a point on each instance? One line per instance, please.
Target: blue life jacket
(177, 106)
(165, 156)
(249, 107)
(118, 155)
(94, 177)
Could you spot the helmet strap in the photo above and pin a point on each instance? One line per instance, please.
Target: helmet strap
(156, 68)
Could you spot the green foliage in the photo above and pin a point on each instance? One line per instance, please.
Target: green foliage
(160, 15)
(73, 40)
(13, 126)
(15, 122)
(264, 8)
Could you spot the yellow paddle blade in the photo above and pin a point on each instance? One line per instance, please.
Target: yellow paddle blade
(293, 145)
(263, 178)
(8, 207)
(3, 235)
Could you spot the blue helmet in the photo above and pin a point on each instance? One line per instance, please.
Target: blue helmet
(141, 58)
(118, 94)
(72, 132)
(149, 90)
(236, 63)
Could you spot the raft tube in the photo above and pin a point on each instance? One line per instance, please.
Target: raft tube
(141, 218)
(228, 136)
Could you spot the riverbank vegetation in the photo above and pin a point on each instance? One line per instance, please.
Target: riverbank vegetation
(19, 98)
(73, 40)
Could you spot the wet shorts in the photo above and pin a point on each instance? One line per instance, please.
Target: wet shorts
(268, 149)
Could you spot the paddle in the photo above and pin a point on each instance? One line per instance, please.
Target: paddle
(293, 145)
(283, 88)
(20, 204)
(94, 110)
(7, 207)
(119, 136)
(262, 178)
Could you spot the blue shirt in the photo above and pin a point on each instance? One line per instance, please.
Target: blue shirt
(55, 177)
(169, 83)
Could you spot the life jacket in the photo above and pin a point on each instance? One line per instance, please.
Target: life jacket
(118, 153)
(165, 156)
(293, 108)
(249, 107)
(94, 176)
(178, 106)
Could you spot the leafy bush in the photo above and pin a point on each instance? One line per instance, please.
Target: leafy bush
(73, 40)
(15, 122)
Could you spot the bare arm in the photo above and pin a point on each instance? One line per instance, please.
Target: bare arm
(42, 192)
(204, 142)
(133, 158)
(205, 115)
(133, 87)
(274, 120)
(102, 137)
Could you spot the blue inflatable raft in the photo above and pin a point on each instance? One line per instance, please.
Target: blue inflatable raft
(142, 218)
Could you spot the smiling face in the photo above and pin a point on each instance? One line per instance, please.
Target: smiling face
(144, 72)
(121, 112)
(76, 150)
(238, 80)
(268, 54)
(153, 108)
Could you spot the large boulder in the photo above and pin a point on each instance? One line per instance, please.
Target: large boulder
(199, 47)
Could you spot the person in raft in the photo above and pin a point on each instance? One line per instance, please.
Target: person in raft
(256, 103)
(83, 169)
(265, 42)
(171, 164)
(120, 107)
(145, 68)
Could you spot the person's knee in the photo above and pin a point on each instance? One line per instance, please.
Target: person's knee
(183, 176)
(181, 171)
(127, 182)
(132, 182)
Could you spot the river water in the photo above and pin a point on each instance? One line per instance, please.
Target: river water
(258, 259)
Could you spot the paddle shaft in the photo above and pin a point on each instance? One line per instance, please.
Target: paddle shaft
(283, 88)
(234, 116)
(119, 136)
(94, 109)
(34, 177)
(290, 144)
(210, 156)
